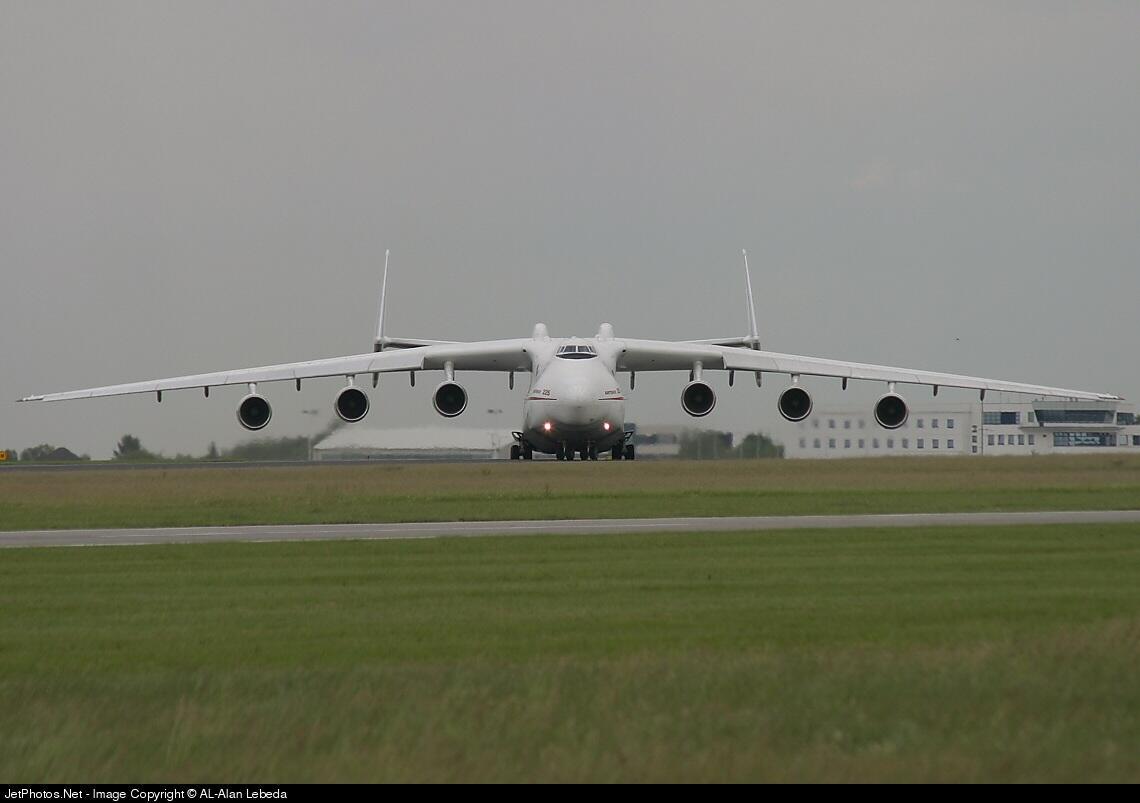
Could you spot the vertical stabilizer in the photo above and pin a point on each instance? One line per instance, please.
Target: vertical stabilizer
(753, 332)
(383, 301)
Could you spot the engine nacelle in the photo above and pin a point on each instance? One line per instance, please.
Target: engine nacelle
(795, 403)
(449, 399)
(891, 411)
(254, 412)
(698, 398)
(351, 404)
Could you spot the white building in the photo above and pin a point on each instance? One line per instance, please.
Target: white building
(992, 428)
(415, 443)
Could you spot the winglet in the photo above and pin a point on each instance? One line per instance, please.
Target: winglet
(30, 399)
(753, 333)
(379, 346)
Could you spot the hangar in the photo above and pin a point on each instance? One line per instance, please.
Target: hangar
(414, 443)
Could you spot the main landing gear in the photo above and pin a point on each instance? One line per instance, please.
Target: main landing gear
(521, 450)
(620, 452)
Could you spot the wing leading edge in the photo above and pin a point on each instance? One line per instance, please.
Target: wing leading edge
(658, 355)
(488, 355)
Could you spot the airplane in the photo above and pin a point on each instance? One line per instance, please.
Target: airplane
(575, 404)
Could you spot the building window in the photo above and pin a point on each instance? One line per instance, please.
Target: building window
(890, 443)
(831, 443)
(918, 423)
(847, 444)
(803, 443)
(989, 440)
(949, 443)
(906, 443)
(815, 423)
(815, 443)
(1136, 440)
(1020, 440)
(862, 423)
(1030, 417)
(1075, 416)
(831, 423)
(1001, 418)
(1069, 439)
(949, 423)
(934, 443)
(862, 444)
(1032, 439)
(1126, 419)
(874, 443)
(1001, 440)
(974, 449)
(847, 424)
(934, 423)
(921, 443)
(973, 439)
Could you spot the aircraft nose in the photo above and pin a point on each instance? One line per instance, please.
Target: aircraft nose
(577, 401)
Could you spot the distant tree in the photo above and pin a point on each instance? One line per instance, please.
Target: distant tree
(13, 455)
(705, 444)
(758, 445)
(212, 452)
(271, 449)
(130, 448)
(41, 452)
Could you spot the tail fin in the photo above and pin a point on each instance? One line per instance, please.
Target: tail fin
(383, 299)
(753, 332)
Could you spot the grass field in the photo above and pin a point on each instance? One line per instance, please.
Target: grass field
(950, 654)
(550, 490)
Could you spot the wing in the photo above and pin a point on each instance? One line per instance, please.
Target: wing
(488, 355)
(659, 355)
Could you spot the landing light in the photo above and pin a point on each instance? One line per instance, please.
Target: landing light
(606, 426)
(547, 426)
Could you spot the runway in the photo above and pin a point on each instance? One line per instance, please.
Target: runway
(472, 529)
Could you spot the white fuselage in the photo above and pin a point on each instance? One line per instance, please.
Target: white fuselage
(574, 400)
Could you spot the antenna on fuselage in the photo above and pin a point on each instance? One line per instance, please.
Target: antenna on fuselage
(383, 298)
(753, 332)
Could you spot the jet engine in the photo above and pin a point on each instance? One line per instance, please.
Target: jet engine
(795, 403)
(891, 411)
(254, 412)
(449, 399)
(351, 404)
(698, 398)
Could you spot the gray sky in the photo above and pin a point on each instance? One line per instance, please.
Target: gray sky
(196, 186)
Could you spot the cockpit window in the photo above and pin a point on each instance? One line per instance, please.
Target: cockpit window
(576, 352)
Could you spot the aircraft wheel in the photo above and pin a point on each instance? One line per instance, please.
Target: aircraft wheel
(569, 453)
(616, 453)
(515, 451)
(629, 453)
(593, 452)
(528, 453)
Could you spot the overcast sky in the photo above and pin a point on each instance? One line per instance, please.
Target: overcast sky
(197, 186)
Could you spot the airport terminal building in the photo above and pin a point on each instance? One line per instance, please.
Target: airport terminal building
(990, 428)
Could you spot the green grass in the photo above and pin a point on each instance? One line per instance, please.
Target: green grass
(950, 654)
(550, 490)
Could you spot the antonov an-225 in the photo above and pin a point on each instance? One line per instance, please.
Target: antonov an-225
(575, 404)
